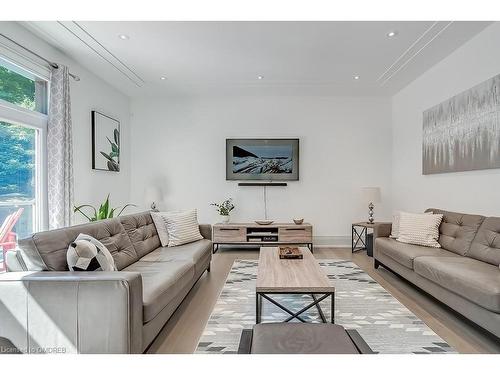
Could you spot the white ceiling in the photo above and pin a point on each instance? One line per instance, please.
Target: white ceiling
(310, 58)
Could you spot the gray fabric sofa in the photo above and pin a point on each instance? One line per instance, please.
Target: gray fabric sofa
(464, 273)
(45, 307)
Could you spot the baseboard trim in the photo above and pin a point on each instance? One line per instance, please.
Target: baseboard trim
(331, 241)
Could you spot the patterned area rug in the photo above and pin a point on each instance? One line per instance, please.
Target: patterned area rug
(360, 303)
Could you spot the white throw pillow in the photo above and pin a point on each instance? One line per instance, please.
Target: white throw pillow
(182, 227)
(395, 224)
(419, 229)
(161, 226)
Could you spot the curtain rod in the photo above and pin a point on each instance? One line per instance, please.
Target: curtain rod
(51, 63)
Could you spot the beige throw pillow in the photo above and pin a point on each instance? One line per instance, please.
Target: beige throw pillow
(182, 227)
(395, 224)
(419, 229)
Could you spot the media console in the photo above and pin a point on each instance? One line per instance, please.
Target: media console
(262, 235)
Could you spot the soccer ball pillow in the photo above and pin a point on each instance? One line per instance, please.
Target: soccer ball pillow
(88, 254)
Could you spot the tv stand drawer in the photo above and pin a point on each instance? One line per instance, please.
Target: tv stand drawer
(295, 234)
(229, 234)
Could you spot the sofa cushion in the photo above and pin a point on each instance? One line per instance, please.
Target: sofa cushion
(161, 282)
(142, 232)
(486, 244)
(405, 254)
(194, 252)
(474, 280)
(198, 252)
(457, 230)
(53, 245)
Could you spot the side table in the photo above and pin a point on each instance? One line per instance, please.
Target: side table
(359, 234)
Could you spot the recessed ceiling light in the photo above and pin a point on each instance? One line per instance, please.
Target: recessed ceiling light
(392, 34)
(163, 78)
(260, 77)
(356, 77)
(123, 37)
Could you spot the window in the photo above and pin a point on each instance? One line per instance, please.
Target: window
(24, 90)
(18, 175)
(23, 124)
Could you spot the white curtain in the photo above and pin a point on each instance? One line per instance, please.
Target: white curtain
(60, 150)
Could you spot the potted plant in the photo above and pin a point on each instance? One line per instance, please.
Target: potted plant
(224, 208)
(104, 211)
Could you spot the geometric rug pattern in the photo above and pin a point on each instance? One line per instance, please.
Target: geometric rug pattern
(361, 303)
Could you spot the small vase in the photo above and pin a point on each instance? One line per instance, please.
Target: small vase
(224, 218)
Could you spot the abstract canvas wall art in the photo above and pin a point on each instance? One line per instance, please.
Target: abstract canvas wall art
(463, 133)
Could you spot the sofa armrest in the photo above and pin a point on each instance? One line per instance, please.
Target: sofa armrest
(382, 230)
(206, 231)
(14, 261)
(72, 312)
(379, 231)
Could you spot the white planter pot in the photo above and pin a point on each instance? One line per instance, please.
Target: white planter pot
(224, 219)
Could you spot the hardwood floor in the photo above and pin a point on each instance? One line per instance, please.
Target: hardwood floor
(182, 332)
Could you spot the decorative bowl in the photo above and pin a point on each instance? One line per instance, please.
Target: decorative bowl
(264, 222)
(298, 221)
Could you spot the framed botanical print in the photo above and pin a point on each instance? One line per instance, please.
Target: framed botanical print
(105, 142)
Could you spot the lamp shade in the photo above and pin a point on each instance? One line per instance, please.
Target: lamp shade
(152, 194)
(371, 194)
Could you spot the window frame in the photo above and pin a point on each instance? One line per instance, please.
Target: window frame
(12, 113)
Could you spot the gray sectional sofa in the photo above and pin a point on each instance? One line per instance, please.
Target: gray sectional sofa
(44, 307)
(463, 274)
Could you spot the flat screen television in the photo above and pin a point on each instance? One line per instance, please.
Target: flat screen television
(262, 159)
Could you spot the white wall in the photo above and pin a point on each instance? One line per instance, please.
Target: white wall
(178, 144)
(470, 192)
(90, 93)
(345, 143)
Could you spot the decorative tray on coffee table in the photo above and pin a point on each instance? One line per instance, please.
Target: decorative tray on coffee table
(287, 252)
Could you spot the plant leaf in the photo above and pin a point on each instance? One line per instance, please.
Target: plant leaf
(114, 146)
(116, 136)
(124, 207)
(105, 207)
(106, 156)
(113, 166)
(100, 213)
(79, 209)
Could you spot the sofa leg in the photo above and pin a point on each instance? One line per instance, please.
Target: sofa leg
(208, 268)
(376, 263)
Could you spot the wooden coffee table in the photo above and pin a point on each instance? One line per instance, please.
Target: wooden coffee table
(292, 276)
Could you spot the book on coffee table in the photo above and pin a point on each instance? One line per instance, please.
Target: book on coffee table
(288, 252)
